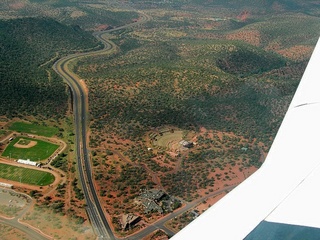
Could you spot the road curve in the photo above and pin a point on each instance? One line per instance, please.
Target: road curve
(159, 224)
(80, 108)
(94, 209)
(26, 228)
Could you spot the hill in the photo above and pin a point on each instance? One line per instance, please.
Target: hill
(223, 81)
(28, 49)
(90, 15)
(219, 74)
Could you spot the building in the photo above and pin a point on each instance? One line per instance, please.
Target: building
(7, 185)
(150, 200)
(186, 144)
(28, 162)
(128, 221)
(156, 200)
(151, 206)
(153, 194)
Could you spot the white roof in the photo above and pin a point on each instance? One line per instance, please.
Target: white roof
(27, 162)
(285, 188)
(5, 185)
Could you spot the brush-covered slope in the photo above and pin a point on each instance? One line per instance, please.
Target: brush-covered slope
(28, 48)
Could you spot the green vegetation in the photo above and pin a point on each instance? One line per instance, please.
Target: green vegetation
(87, 15)
(181, 221)
(25, 175)
(130, 178)
(33, 129)
(225, 70)
(9, 211)
(52, 215)
(99, 14)
(40, 151)
(246, 60)
(60, 162)
(307, 6)
(29, 48)
(77, 190)
(191, 89)
(7, 233)
(227, 74)
(30, 45)
(165, 139)
(3, 133)
(287, 30)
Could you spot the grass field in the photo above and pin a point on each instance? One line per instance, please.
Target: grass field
(40, 151)
(33, 129)
(25, 175)
(168, 137)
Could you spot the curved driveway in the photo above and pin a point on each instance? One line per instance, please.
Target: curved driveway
(29, 230)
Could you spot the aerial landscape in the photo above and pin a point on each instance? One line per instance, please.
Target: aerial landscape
(127, 119)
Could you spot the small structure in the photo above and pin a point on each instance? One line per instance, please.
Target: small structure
(127, 221)
(150, 199)
(194, 214)
(156, 200)
(186, 144)
(28, 162)
(153, 194)
(7, 185)
(151, 206)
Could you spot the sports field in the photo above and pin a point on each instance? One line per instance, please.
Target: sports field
(25, 175)
(38, 151)
(33, 129)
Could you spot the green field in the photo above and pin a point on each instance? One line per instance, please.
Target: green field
(168, 137)
(33, 129)
(40, 151)
(25, 175)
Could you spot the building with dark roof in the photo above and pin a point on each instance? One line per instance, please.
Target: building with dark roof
(128, 221)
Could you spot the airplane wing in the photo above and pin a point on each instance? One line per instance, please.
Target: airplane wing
(281, 200)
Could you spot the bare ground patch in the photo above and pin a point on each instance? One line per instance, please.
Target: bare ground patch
(23, 143)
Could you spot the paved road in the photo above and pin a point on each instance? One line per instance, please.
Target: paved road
(27, 230)
(14, 222)
(160, 223)
(80, 101)
(94, 209)
(80, 109)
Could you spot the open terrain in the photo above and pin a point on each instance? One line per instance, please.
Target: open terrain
(219, 74)
(226, 80)
(9, 233)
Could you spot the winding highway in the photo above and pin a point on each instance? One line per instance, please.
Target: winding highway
(80, 111)
(80, 107)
